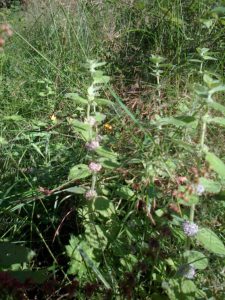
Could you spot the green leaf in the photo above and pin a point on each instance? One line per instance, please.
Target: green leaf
(101, 203)
(210, 185)
(103, 102)
(83, 128)
(76, 98)
(109, 163)
(210, 241)
(12, 254)
(216, 164)
(125, 192)
(99, 117)
(188, 287)
(220, 88)
(217, 120)
(15, 118)
(217, 106)
(76, 190)
(79, 171)
(197, 259)
(99, 77)
(106, 153)
(77, 265)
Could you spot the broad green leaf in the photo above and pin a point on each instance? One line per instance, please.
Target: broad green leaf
(79, 171)
(99, 77)
(109, 163)
(83, 128)
(216, 164)
(76, 98)
(106, 153)
(12, 254)
(210, 185)
(103, 102)
(217, 120)
(76, 190)
(15, 118)
(188, 287)
(217, 106)
(197, 259)
(210, 241)
(99, 117)
(77, 265)
(125, 192)
(220, 88)
(210, 81)
(101, 203)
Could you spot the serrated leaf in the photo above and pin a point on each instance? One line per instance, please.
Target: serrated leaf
(79, 171)
(197, 259)
(210, 241)
(76, 98)
(210, 186)
(216, 164)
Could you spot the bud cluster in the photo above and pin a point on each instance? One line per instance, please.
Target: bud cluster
(5, 31)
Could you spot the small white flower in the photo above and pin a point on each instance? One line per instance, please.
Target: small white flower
(91, 194)
(92, 145)
(95, 167)
(190, 228)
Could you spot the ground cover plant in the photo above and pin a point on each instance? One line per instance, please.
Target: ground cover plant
(112, 149)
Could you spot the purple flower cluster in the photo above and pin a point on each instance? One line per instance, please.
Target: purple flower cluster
(92, 145)
(190, 228)
(95, 167)
(90, 194)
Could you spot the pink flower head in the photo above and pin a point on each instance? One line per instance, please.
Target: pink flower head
(92, 145)
(95, 167)
(90, 194)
